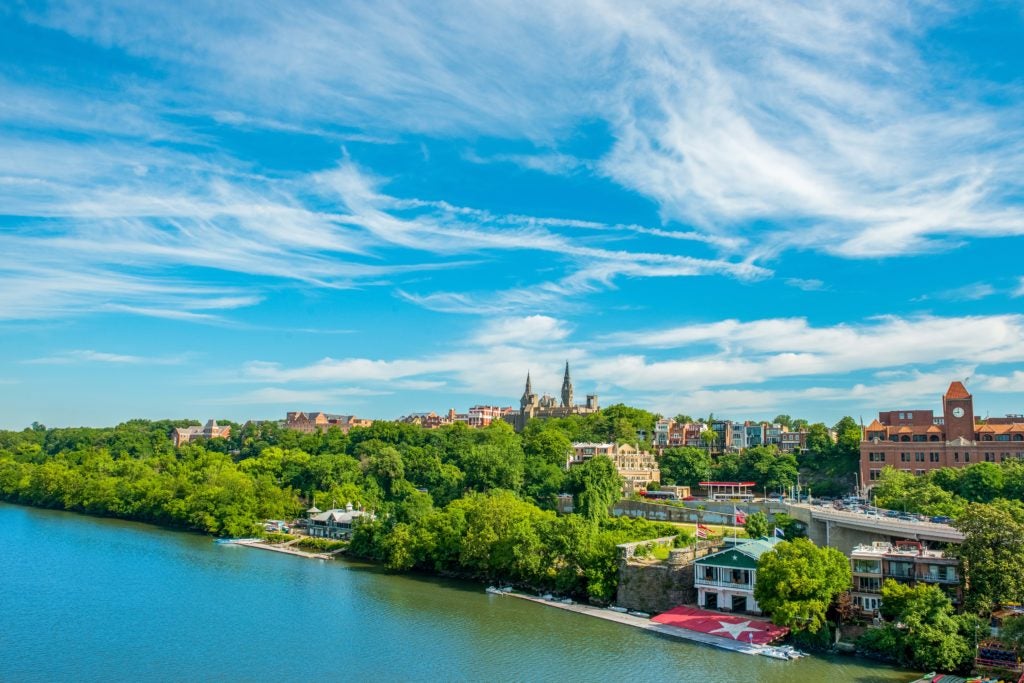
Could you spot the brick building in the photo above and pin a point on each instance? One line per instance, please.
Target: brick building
(918, 440)
(184, 435)
(310, 422)
(637, 468)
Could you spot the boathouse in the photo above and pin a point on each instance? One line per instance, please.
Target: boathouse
(725, 580)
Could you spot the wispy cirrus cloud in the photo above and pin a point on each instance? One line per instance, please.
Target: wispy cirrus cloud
(827, 118)
(79, 356)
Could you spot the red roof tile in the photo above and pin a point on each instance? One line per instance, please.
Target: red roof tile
(957, 390)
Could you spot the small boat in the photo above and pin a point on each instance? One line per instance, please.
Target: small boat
(493, 591)
(547, 596)
(506, 589)
(235, 541)
(567, 601)
(635, 613)
(769, 651)
(620, 610)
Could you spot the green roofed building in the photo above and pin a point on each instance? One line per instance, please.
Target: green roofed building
(725, 580)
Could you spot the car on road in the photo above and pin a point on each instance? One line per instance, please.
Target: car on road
(941, 519)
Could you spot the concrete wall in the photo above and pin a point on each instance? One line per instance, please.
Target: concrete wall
(713, 513)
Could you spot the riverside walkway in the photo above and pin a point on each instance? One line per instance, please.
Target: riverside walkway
(648, 625)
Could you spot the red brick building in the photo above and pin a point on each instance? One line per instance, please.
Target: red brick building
(918, 440)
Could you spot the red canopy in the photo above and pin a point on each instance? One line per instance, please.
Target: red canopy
(737, 627)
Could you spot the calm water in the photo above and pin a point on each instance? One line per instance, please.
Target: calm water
(85, 599)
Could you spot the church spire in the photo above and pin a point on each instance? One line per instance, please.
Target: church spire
(527, 398)
(567, 388)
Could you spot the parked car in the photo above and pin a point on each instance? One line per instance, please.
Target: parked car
(941, 519)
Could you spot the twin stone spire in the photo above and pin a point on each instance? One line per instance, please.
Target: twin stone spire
(529, 398)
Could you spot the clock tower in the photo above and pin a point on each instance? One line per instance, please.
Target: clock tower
(958, 412)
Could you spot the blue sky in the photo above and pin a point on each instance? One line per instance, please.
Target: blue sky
(383, 208)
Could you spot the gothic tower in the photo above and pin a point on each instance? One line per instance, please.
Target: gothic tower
(567, 388)
(528, 395)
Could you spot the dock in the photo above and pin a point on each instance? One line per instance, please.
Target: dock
(283, 549)
(648, 625)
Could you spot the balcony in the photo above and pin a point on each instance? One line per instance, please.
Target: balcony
(709, 583)
(939, 578)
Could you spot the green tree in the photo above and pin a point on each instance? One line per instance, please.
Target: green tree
(924, 631)
(1012, 632)
(756, 525)
(708, 437)
(685, 466)
(797, 581)
(595, 485)
(784, 420)
(819, 440)
(991, 555)
(848, 436)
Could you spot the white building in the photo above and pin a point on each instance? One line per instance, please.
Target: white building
(725, 580)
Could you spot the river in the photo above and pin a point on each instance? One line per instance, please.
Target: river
(89, 599)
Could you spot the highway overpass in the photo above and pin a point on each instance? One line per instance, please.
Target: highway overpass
(844, 530)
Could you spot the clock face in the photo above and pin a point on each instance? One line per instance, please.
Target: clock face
(958, 412)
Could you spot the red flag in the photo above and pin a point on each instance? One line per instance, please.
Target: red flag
(741, 516)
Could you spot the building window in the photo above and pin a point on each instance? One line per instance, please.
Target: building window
(919, 457)
(867, 566)
(874, 475)
(933, 457)
(1002, 437)
(990, 457)
(904, 457)
(910, 416)
(918, 473)
(967, 456)
(920, 437)
(901, 416)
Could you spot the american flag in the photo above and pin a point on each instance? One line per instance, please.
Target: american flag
(702, 531)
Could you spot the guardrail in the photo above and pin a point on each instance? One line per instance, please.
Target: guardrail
(930, 530)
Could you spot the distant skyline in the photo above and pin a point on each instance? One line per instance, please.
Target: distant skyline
(746, 209)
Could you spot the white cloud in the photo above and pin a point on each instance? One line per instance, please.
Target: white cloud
(885, 362)
(533, 330)
(970, 292)
(826, 116)
(808, 285)
(90, 356)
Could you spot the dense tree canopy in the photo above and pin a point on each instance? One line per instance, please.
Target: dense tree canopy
(595, 485)
(922, 630)
(992, 554)
(685, 466)
(797, 581)
(756, 525)
(452, 499)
